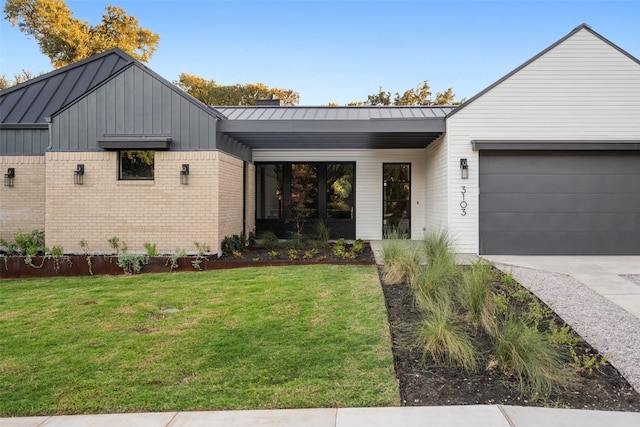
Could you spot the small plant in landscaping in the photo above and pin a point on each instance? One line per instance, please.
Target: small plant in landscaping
(322, 233)
(237, 254)
(172, 261)
(131, 263)
(322, 258)
(255, 259)
(358, 246)
(233, 243)
(310, 253)
(293, 254)
(85, 249)
(56, 253)
(273, 254)
(202, 248)
(476, 296)
(114, 242)
(442, 337)
(269, 240)
(530, 356)
(151, 249)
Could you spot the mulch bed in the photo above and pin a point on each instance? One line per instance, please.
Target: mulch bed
(424, 384)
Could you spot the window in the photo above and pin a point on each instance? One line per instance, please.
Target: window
(269, 197)
(136, 164)
(340, 190)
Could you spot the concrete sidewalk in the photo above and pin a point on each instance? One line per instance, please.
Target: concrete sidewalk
(432, 416)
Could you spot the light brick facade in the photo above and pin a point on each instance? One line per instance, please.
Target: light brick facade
(23, 205)
(159, 211)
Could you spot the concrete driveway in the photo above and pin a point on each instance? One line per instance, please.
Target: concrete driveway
(603, 274)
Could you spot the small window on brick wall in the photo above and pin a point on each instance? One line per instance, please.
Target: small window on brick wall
(135, 164)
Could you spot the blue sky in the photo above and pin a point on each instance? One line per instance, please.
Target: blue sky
(341, 51)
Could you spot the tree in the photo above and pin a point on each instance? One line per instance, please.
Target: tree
(211, 93)
(420, 95)
(65, 39)
(20, 77)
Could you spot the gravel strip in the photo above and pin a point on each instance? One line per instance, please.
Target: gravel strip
(607, 327)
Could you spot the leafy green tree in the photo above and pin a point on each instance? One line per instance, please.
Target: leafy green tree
(211, 93)
(23, 76)
(420, 95)
(65, 39)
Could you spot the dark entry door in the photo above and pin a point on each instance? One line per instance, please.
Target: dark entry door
(396, 190)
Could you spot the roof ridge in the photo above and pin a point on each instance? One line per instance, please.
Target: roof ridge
(71, 66)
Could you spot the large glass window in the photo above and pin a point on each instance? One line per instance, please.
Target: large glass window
(340, 190)
(136, 164)
(269, 196)
(304, 190)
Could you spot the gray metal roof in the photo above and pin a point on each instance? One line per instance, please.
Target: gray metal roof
(31, 101)
(267, 127)
(333, 113)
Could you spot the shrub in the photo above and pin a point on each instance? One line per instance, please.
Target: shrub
(476, 297)
(322, 233)
(25, 243)
(235, 243)
(438, 246)
(444, 339)
(401, 261)
(151, 249)
(269, 240)
(439, 279)
(131, 263)
(529, 355)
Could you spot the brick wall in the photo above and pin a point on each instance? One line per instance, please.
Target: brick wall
(161, 211)
(22, 206)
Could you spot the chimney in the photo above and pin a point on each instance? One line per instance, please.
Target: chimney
(269, 102)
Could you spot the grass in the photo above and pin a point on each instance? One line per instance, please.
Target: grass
(282, 337)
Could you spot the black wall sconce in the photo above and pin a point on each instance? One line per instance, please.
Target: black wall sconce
(184, 174)
(78, 174)
(8, 177)
(464, 168)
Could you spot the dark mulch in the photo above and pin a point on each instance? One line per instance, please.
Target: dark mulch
(423, 384)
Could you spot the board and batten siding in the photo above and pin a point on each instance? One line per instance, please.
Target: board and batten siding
(134, 102)
(368, 182)
(23, 141)
(581, 89)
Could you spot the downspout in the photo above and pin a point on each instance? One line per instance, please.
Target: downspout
(50, 146)
(244, 196)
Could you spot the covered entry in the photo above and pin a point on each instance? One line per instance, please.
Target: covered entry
(560, 202)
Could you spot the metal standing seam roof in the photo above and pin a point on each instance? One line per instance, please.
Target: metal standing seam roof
(31, 101)
(333, 113)
(274, 127)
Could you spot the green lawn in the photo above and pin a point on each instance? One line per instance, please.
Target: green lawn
(281, 337)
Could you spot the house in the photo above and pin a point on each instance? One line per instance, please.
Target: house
(544, 161)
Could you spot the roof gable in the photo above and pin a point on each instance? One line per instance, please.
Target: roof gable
(582, 27)
(34, 100)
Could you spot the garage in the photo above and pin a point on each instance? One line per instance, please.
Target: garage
(560, 202)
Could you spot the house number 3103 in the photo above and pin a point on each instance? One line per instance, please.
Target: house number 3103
(463, 203)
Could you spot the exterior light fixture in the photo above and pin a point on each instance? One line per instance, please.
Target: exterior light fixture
(464, 168)
(78, 174)
(8, 177)
(184, 174)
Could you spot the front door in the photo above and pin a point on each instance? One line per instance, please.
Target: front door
(396, 209)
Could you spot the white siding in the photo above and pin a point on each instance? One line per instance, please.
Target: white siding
(368, 182)
(582, 89)
(436, 186)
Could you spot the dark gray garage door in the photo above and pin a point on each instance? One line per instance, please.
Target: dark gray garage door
(560, 203)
